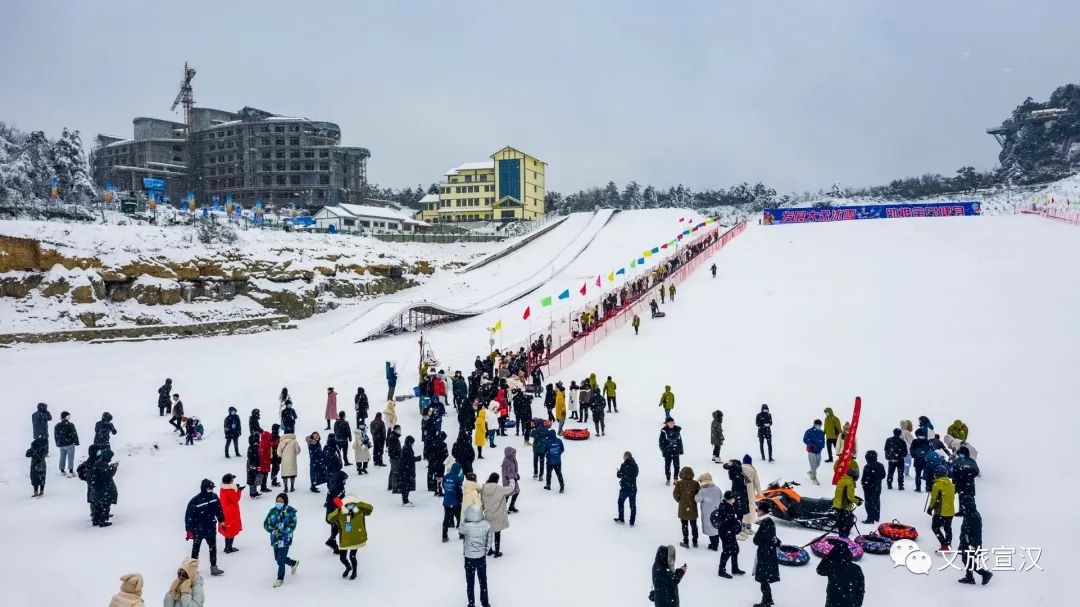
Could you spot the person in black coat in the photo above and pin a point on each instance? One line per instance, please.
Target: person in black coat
(463, 452)
(964, 472)
(666, 578)
(201, 521)
(39, 448)
(254, 426)
(522, 405)
(729, 524)
(763, 421)
(738, 487)
(316, 462)
(627, 475)
(460, 389)
(598, 406)
(895, 453)
(177, 418)
(393, 453)
(671, 447)
(164, 402)
(406, 476)
(288, 418)
(85, 472)
(103, 493)
(40, 419)
(549, 401)
(767, 564)
(846, 583)
(360, 403)
(331, 457)
(103, 430)
(67, 438)
(437, 452)
(919, 448)
(232, 432)
(378, 439)
(335, 490)
(466, 418)
(342, 435)
(970, 545)
(872, 475)
(254, 477)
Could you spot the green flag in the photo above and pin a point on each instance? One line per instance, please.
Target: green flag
(546, 301)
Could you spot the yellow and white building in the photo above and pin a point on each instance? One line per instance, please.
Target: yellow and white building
(508, 187)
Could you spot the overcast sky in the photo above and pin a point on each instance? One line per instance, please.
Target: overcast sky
(798, 94)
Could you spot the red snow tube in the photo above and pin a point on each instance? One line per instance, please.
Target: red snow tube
(579, 434)
(897, 531)
(792, 556)
(824, 546)
(873, 543)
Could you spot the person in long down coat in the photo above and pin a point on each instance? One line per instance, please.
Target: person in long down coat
(766, 563)
(85, 472)
(103, 494)
(331, 407)
(738, 487)
(316, 462)
(685, 494)
(103, 430)
(39, 448)
(753, 489)
(728, 525)
(288, 449)
(378, 439)
(716, 434)
(666, 578)
(229, 495)
(406, 481)
(254, 425)
(480, 432)
(393, 453)
(360, 403)
(709, 498)
(266, 458)
(40, 419)
(164, 398)
(493, 497)
(510, 476)
(846, 583)
(130, 595)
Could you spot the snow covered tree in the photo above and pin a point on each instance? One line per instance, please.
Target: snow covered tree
(631, 196)
(71, 169)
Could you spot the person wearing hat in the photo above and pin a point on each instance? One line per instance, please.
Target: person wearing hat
(970, 546)
(349, 519)
(895, 453)
(753, 489)
(766, 563)
(231, 526)
(846, 583)
(667, 401)
(763, 420)
(201, 519)
(671, 447)
(728, 526)
(280, 523)
(331, 407)
(845, 500)
(130, 595)
(709, 498)
(67, 438)
(186, 590)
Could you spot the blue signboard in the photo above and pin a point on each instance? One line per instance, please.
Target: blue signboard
(150, 183)
(873, 211)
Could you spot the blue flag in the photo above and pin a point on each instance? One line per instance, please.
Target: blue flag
(655, 250)
(641, 261)
(621, 271)
(565, 294)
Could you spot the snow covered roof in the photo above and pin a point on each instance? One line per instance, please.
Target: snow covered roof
(359, 210)
(430, 198)
(472, 166)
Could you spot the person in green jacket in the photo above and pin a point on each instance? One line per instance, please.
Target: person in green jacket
(942, 509)
(845, 501)
(667, 401)
(832, 431)
(350, 519)
(958, 430)
(609, 393)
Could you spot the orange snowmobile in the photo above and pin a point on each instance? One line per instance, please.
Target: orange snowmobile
(786, 504)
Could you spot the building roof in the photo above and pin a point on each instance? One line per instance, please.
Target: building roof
(359, 210)
(513, 149)
(472, 166)
(429, 198)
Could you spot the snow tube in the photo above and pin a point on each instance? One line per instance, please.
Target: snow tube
(578, 434)
(874, 544)
(792, 556)
(510, 423)
(416, 391)
(823, 546)
(897, 531)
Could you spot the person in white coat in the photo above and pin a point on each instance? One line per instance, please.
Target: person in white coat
(907, 433)
(361, 448)
(753, 489)
(493, 496)
(709, 497)
(186, 590)
(470, 493)
(130, 595)
(287, 450)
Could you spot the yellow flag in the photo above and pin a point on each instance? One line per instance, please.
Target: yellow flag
(497, 327)
(611, 276)
(646, 254)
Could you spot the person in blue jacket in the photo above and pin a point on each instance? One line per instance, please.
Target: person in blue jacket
(814, 439)
(451, 484)
(316, 462)
(553, 449)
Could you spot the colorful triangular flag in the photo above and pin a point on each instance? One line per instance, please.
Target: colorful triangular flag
(582, 289)
(633, 263)
(528, 311)
(663, 246)
(545, 302)
(681, 219)
(565, 294)
(655, 250)
(621, 271)
(646, 253)
(641, 261)
(611, 277)
(497, 327)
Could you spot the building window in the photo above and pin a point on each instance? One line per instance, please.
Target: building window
(266, 167)
(294, 141)
(265, 155)
(279, 129)
(264, 141)
(324, 179)
(266, 180)
(279, 154)
(309, 154)
(324, 166)
(279, 141)
(294, 179)
(324, 154)
(294, 166)
(294, 154)
(280, 166)
(280, 180)
(468, 179)
(264, 129)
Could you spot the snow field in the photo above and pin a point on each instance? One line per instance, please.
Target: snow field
(963, 317)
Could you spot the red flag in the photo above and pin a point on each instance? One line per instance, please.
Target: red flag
(525, 316)
(663, 246)
(583, 285)
(681, 219)
(598, 280)
(844, 461)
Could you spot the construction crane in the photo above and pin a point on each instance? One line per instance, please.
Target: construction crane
(185, 95)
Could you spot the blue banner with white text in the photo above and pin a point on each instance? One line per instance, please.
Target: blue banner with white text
(873, 211)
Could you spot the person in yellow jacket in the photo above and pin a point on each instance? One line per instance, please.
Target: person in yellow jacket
(480, 431)
(832, 431)
(609, 393)
(636, 323)
(667, 401)
(592, 381)
(958, 430)
(560, 405)
(844, 502)
(942, 508)
(671, 293)
(349, 518)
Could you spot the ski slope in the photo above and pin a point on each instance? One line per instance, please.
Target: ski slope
(973, 318)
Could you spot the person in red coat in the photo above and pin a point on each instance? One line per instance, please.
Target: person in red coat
(266, 457)
(439, 388)
(230, 506)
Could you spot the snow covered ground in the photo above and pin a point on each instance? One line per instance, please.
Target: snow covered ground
(971, 318)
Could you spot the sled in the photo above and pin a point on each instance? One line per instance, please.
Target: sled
(785, 504)
(659, 314)
(792, 556)
(824, 546)
(897, 531)
(872, 543)
(576, 434)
